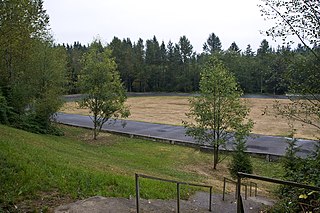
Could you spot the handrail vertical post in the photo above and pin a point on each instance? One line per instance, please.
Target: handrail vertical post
(210, 199)
(178, 197)
(137, 192)
(224, 188)
(137, 176)
(246, 192)
(238, 194)
(250, 188)
(255, 191)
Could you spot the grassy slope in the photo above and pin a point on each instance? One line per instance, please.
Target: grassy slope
(32, 165)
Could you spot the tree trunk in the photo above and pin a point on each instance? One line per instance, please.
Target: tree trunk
(95, 117)
(215, 156)
(95, 134)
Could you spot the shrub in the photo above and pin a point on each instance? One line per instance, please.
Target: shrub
(4, 109)
(240, 160)
(301, 170)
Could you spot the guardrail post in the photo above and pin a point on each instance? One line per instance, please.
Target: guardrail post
(178, 197)
(256, 190)
(239, 194)
(241, 205)
(137, 192)
(137, 176)
(224, 188)
(210, 199)
(246, 192)
(236, 192)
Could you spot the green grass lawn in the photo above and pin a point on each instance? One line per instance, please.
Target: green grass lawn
(33, 166)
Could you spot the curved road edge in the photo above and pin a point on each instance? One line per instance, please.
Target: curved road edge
(256, 144)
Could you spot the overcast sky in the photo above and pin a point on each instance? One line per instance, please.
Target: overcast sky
(231, 20)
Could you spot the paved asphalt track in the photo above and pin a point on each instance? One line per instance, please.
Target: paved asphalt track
(260, 144)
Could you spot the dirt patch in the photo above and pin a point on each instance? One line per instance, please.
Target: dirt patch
(45, 202)
(102, 139)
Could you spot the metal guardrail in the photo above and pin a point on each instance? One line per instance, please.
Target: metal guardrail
(267, 179)
(225, 180)
(137, 176)
(251, 184)
(255, 188)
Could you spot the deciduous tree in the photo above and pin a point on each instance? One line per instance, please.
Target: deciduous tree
(31, 67)
(100, 81)
(218, 108)
(299, 18)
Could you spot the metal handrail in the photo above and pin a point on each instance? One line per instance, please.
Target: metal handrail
(243, 184)
(170, 181)
(224, 187)
(267, 179)
(255, 190)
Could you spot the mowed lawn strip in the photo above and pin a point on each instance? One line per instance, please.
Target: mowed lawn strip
(171, 110)
(36, 166)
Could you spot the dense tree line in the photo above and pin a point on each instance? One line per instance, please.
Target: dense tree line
(74, 55)
(159, 67)
(32, 68)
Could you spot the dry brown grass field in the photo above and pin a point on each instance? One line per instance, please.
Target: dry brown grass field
(172, 109)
